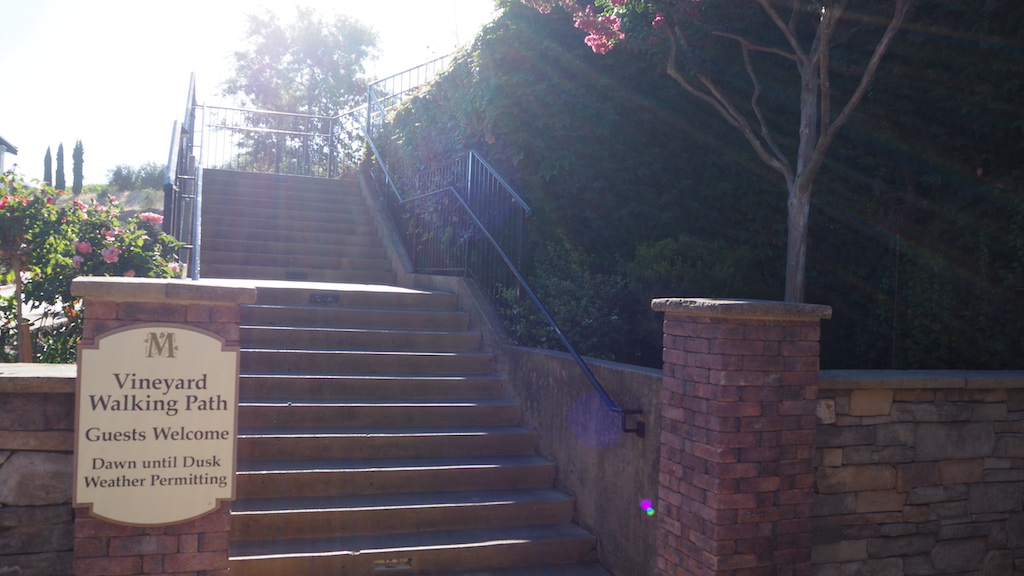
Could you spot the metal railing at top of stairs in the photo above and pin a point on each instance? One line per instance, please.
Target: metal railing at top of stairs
(266, 141)
(464, 218)
(263, 141)
(182, 187)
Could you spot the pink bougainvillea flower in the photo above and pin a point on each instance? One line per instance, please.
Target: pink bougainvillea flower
(598, 44)
(110, 254)
(77, 261)
(151, 218)
(84, 247)
(659, 20)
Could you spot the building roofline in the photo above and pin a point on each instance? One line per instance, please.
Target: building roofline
(10, 147)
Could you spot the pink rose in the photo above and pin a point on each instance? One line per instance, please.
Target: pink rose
(111, 254)
(83, 247)
(152, 218)
(77, 261)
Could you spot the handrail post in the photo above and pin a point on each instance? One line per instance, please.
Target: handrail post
(330, 146)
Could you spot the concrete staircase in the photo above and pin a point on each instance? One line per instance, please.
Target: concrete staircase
(373, 434)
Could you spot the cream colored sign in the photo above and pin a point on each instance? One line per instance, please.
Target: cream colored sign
(155, 425)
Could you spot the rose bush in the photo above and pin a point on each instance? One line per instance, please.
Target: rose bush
(45, 243)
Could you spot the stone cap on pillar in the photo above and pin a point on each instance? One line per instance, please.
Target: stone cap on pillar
(747, 309)
(120, 289)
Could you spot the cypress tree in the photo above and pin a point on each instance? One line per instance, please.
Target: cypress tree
(48, 168)
(60, 183)
(77, 158)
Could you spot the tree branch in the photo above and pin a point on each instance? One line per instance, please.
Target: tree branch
(757, 47)
(765, 133)
(830, 19)
(826, 138)
(713, 96)
(784, 28)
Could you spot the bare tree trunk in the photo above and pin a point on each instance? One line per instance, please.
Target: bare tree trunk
(799, 206)
(24, 329)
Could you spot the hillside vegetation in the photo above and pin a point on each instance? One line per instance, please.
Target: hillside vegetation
(639, 191)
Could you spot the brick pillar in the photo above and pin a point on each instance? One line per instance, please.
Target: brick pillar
(198, 547)
(738, 420)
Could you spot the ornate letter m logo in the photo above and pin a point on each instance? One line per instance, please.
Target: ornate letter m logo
(161, 344)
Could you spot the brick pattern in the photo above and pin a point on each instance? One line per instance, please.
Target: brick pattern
(103, 316)
(737, 446)
(196, 548)
(921, 481)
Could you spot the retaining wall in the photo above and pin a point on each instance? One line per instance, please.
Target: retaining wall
(36, 440)
(919, 473)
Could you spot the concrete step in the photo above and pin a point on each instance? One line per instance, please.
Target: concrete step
(329, 250)
(358, 339)
(336, 202)
(416, 552)
(369, 386)
(213, 258)
(311, 517)
(591, 569)
(302, 274)
(289, 478)
(238, 180)
(265, 360)
(369, 318)
(378, 442)
(316, 237)
(284, 225)
(255, 414)
(325, 295)
(320, 214)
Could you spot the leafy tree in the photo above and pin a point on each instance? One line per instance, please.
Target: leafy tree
(122, 178)
(150, 176)
(309, 66)
(60, 184)
(77, 158)
(697, 36)
(126, 178)
(312, 67)
(48, 168)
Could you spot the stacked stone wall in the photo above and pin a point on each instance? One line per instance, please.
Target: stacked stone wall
(36, 442)
(919, 475)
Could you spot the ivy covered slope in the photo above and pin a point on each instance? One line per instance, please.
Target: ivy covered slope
(640, 191)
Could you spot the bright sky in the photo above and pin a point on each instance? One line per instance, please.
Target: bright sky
(114, 73)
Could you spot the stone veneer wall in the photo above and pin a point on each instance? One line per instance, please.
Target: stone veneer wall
(36, 439)
(919, 473)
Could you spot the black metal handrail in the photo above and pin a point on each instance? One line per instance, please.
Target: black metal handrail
(181, 187)
(439, 225)
(454, 197)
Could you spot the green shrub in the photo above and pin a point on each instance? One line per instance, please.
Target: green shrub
(45, 244)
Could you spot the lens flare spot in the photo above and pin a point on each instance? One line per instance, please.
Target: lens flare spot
(647, 506)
